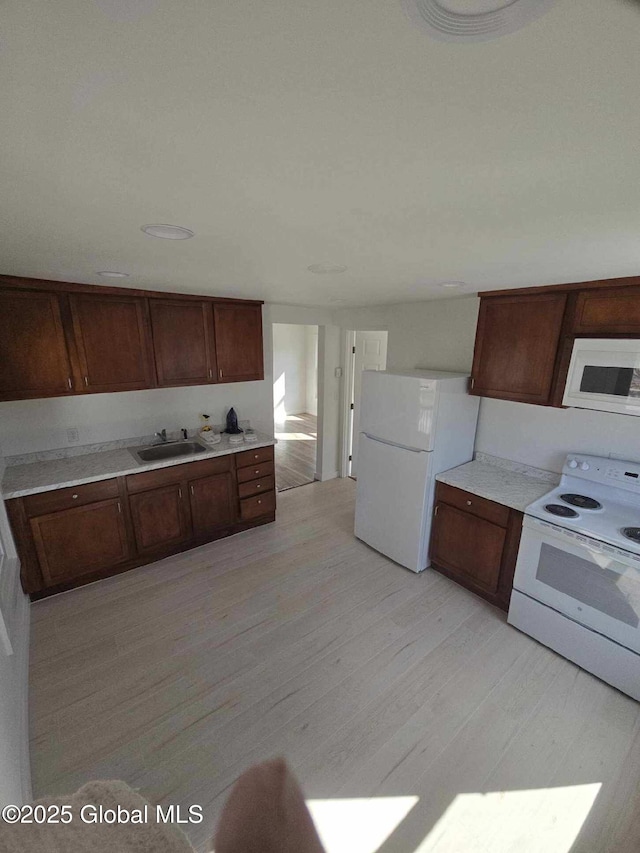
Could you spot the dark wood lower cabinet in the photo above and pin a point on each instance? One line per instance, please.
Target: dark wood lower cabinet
(212, 503)
(71, 536)
(73, 542)
(158, 518)
(475, 542)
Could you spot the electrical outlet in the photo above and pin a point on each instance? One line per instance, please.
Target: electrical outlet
(72, 435)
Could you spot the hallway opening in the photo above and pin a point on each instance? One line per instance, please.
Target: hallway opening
(295, 403)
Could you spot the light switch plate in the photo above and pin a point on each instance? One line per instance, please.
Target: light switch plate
(338, 373)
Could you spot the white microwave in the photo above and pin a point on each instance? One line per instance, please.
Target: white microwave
(604, 374)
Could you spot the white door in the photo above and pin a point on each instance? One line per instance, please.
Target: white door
(370, 354)
(392, 501)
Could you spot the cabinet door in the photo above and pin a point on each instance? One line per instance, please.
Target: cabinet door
(516, 346)
(113, 342)
(212, 503)
(158, 518)
(183, 342)
(33, 352)
(238, 330)
(468, 546)
(73, 542)
(608, 311)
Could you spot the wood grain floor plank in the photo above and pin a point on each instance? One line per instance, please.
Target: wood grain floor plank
(297, 639)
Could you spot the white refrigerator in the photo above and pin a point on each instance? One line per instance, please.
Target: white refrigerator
(413, 425)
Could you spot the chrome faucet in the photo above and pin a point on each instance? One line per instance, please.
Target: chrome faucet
(162, 435)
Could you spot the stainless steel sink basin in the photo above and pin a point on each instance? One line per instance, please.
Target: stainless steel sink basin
(170, 450)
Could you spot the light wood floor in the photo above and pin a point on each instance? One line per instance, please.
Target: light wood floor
(296, 451)
(297, 639)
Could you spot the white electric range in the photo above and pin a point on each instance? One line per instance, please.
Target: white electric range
(577, 578)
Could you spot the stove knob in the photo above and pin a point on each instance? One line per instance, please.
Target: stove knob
(585, 466)
(573, 463)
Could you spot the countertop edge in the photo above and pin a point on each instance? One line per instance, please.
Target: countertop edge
(136, 468)
(512, 489)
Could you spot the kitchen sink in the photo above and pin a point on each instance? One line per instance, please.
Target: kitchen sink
(170, 450)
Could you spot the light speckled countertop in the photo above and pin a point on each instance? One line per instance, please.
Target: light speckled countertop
(21, 480)
(499, 480)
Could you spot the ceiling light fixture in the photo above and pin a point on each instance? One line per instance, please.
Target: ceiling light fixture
(327, 269)
(112, 274)
(168, 232)
(473, 20)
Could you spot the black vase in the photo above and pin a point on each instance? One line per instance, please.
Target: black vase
(232, 423)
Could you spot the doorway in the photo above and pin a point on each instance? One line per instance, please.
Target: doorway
(295, 403)
(365, 351)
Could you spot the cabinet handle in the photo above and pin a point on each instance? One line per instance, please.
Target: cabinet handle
(258, 486)
(180, 491)
(119, 507)
(473, 382)
(69, 383)
(437, 508)
(220, 374)
(86, 381)
(74, 497)
(468, 503)
(257, 471)
(192, 492)
(210, 373)
(256, 456)
(259, 500)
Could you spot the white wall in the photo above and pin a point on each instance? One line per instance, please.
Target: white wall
(289, 370)
(441, 334)
(15, 777)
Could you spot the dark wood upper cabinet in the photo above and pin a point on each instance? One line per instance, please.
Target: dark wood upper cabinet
(113, 342)
(611, 311)
(33, 351)
(183, 342)
(238, 330)
(212, 503)
(60, 338)
(516, 347)
(73, 542)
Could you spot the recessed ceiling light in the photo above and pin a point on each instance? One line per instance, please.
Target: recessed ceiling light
(336, 299)
(111, 274)
(326, 269)
(453, 284)
(168, 232)
(473, 20)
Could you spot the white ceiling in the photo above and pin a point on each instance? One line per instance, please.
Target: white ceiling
(294, 132)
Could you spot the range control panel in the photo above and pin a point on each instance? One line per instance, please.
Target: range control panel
(598, 469)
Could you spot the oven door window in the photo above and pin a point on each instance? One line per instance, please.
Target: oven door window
(594, 580)
(611, 381)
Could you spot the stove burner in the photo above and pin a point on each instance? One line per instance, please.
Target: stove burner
(632, 533)
(564, 511)
(581, 501)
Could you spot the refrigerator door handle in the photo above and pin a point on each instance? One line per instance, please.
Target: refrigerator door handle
(393, 444)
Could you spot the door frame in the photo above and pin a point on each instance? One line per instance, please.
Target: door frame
(349, 343)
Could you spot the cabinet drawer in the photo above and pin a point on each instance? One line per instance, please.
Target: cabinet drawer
(251, 457)
(60, 499)
(467, 502)
(256, 506)
(177, 474)
(255, 472)
(255, 487)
